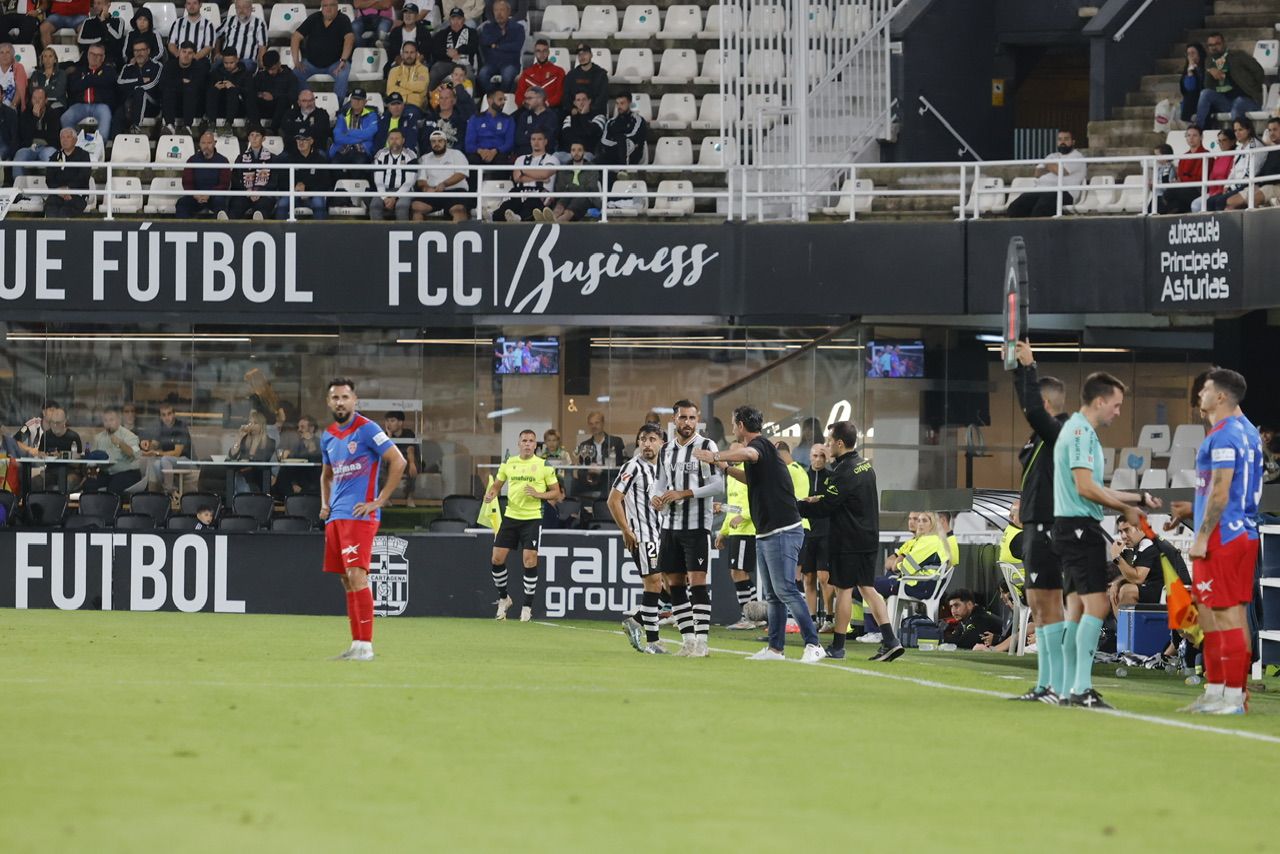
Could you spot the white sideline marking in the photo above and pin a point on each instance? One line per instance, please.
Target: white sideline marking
(929, 683)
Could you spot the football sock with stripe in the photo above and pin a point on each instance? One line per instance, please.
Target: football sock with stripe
(1049, 657)
(681, 610)
(530, 586)
(745, 590)
(499, 573)
(1068, 648)
(700, 597)
(352, 617)
(649, 615)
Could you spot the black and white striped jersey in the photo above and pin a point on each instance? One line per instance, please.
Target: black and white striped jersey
(245, 37)
(638, 483)
(677, 469)
(200, 32)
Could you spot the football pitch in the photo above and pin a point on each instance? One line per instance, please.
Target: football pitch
(176, 732)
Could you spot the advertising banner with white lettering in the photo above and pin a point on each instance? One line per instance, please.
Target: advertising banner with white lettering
(1195, 263)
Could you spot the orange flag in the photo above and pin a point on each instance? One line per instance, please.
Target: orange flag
(1183, 615)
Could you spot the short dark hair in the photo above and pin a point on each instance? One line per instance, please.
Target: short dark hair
(682, 403)
(528, 432)
(230, 51)
(1052, 385)
(542, 43)
(749, 417)
(782, 446)
(964, 594)
(844, 431)
(1229, 381)
(1217, 35)
(185, 45)
(1164, 148)
(541, 133)
(396, 414)
(203, 508)
(1274, 120)
(648, 427)
(1100, 384)
(1197, 386)
(341, 381)
(1247, 124)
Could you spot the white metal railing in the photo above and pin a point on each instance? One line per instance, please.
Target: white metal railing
(739, 192)
(1132, 18)
(965, 147)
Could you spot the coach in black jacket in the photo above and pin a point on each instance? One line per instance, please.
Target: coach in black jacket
(851, 502)
(1043, 402)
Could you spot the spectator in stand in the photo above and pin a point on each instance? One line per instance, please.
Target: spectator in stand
(1266, 189)
(297, 480)
(373, 20)
(13, 79)
(1219, 169)
(139, 88)
(395, 429)
(38, 129)
(625, 136)
(20, 28)
(501, 46)
(1248, 163)
(491, 136)
(442, 172)
(31, 436)
(199, 182)
(1233, 83)
(323, 45)
(535, 115)
(246, 34)
(475, 11)
(1270, 458)
(580, 179)
(395, 180)
(195, 29)
(275, 89)
(305, 117)
(583, 125)
(533, 176)
(61, 15)
(971, 625)
(309, 180)
(354, 132)
(1191, 83)
(184, 85)
(10, 132)
(409, 29)
(456, 44)
(142, 28)
(447, 119)
(161, 451)
(464, 89)
(409, 77)
(230, 89)
(52, 78)
(102, 28)
(92, 93)
(72, 180)
(587, 77)
(256, 176)
(1043, 201)
(544, 74)
(1188, 171)
(553, 450)
(399, 116)
(1165, 173)
(253, 445)
(1141, 579)
(120, 449)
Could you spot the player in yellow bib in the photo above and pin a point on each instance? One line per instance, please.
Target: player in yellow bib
(530, 481)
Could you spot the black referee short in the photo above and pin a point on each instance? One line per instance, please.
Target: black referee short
(685, 551)
(851, 569)
(813, 554)
(1043, 569)
(1081, 545)
(742, 552)
(518, 533)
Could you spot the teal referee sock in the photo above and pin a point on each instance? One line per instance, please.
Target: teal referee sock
(1067, 649)
(1049, 656)
(1086, 646)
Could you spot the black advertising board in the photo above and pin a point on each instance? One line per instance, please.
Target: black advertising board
(1196, 263)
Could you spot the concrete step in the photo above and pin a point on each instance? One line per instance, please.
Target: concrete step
(1150, 97)
(1159, 82)
(1170, 64)
(1240, 37)
(1111, 127)
(1247, 20)
(1245, 7)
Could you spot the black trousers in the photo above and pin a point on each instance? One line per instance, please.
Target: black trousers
(242, 207)
(1036, 204)
(183, 101)
(225, 104)
(524, 206)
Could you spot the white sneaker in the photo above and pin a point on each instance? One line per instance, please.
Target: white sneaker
(503, 605)
(1202, 704)
(687, 646)
(526, 614)
(767, 654)
(362, 652)
(700, 649)
(345, 655)
(813, 653)
(1227, 706)
(874, 637)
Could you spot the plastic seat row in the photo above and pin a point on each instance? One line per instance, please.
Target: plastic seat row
(642, 21)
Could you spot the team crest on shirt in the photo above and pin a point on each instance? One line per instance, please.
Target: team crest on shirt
(389, 576)
(351, 446)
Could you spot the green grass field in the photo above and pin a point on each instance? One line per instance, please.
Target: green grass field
(171, 732)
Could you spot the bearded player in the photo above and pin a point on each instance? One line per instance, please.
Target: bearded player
(352, 449)
(631, 505)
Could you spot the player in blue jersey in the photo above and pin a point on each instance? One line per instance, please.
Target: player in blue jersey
(352, 449)
(1225, 551)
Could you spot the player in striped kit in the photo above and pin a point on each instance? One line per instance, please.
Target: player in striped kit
(631, 505)
(686, 492)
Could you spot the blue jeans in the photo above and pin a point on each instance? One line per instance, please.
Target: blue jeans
(380, 25)
(319, 207)
(778, 556)
(1216, 102)
(24, 155)
(77, 113)
(304, 72)
(488, 70)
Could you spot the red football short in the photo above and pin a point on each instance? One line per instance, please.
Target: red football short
(347, 543)
(1224, 578)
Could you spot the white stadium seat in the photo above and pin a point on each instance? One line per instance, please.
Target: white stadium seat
(1124, 479)
(676, 111)
(274, 144)
(561, 57)
(852, 19)
(130, 148)
(162, 17)
(509, 106)
(285, 18)
(597, 22)
(367, 63)
(639, 22)
(30, 203)
(986, 196)
(681, 22)
(642, 105)
(121, 11)
(174, 148)
(1108, 454)
(1177, 140)
(211, 12)
(348, 10)
(131, 201)
(848, 202)
(1154, 479)
(157, 202)
(675, 198)
(625, 191)
(718, 151)
(328, 101)
(1133, 195)
(1138, 459)
(635, 65)
(819, 19)
(1183, 479)
(678, 67)
(27, 56)
(720, 16)
(765, 65)
(714, 109)
(1098, 197)
(228, 146)
(603, 57)
(673, 151)
(357, 207)
(66, 52)
(376, 102)
(1270, 103)
(495, 193)
(1267, 53)
(1157, 437)
(558, 21)
(712, 63)
(1187, 436)
(757, 101)
(766, 19)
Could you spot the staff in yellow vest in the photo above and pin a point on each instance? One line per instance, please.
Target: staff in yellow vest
(738, 536)
(932, 549)
(1011, 545)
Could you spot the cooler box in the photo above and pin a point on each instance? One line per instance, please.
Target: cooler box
(1142, 631)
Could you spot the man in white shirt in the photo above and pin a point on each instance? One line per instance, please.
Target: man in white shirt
(443, 170)
(1043, 201)
(394, 180)
(533, 176)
